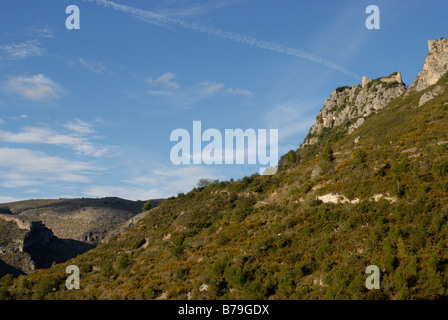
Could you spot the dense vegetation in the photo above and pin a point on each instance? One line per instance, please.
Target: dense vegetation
(269, 237)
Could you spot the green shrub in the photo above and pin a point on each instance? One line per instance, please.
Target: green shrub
(146, 206)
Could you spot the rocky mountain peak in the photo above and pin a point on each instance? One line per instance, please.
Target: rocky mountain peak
(434, 67)
(351, 105)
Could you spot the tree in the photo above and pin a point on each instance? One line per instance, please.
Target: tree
(147, 206)
(7, 280)
(397, 168)
(124, 261)
(107, 270)
(203, 182)
(178, 246)
(326, 159)
(361, 160)
(288, 159)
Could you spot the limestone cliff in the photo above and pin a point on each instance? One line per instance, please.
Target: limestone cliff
(26, 245)
(27, 235)
(434, 67)
(18, 239)
(35, 233)
(87, 220)
(349, 106)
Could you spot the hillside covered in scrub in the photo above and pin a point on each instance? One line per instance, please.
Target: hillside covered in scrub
(375, 196)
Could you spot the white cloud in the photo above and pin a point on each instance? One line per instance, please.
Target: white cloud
(95, 67)
(36, 87)
(195, 9)
(165, 87)
(211, 87)
(164, 181)
(7, 199)
(79, 127)
(32, 191)
(42, 32)
(164, 81)
(30, 161)
(72, 177)
(1, 121)
(24, 167)
(23, 50)
(15, 180)
(77, 140)
(159, 93)
(238, 91)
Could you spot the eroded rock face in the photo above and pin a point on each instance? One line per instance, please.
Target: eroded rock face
(26, 245)
(17, 238)
(434, 67)
(38, 235)
(24, 233)
(350, 106)
(88, 220)
(427, 96)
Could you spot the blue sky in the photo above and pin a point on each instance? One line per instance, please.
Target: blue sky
(89, 112)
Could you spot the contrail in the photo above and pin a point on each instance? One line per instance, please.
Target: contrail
(156, 18)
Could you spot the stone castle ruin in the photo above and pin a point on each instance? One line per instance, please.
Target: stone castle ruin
(390, 79)
(351, 106)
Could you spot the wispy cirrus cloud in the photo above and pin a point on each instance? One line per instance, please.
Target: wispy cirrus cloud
(31, 161)
(22, 167)
(192, 9)
(79, 127)
(77, 139)
(95, 67)
(159, 181)
(237, 91)
(35, 87)
(211, 87)
(6, 199)
(22, 50)
(41, 32)
(174, 95)
(161, 19)
(164, 81)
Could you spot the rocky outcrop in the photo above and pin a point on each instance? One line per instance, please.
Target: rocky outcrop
(19, 237)
(126, 225)
(351, 105)
(26, 245)
(36, 234)
(87, 220)
(429, 95)
(434, 67)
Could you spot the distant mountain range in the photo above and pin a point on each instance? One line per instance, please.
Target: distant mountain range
(36, 233)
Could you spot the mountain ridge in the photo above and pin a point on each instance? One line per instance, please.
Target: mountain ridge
(349, 106)
(37, 233)
(375, 196)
